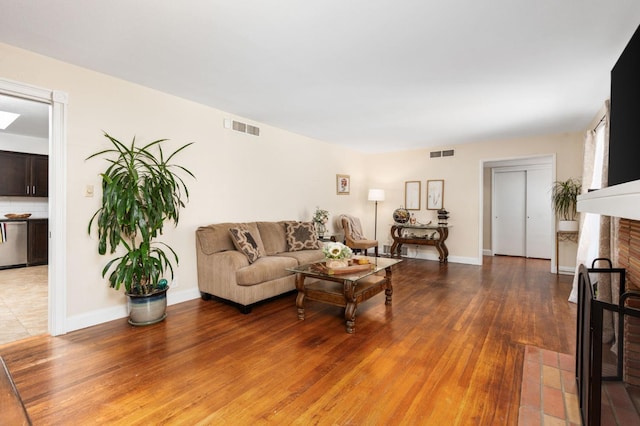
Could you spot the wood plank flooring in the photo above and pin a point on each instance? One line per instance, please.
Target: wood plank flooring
(449, 350)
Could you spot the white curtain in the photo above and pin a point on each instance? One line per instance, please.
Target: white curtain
(598, 234)
(594, 175)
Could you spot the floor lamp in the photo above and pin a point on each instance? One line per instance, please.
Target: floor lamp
(376, 195)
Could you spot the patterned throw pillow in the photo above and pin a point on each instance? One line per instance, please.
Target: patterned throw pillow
(301, 236)
(244, 242)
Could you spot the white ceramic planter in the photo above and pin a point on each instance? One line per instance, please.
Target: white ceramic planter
(147, 309)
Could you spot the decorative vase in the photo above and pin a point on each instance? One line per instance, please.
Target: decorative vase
(321, 229)
(337, 263)
(147, 309)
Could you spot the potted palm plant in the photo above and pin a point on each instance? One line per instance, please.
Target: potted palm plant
(141, 191)
(564, 199)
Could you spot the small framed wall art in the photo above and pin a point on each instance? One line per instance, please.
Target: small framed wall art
(343, 184)
(412, 191)
(435, 194)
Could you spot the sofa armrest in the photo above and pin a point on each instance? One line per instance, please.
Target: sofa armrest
(217, 271)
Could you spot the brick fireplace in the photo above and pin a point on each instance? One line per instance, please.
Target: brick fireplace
(629, 259)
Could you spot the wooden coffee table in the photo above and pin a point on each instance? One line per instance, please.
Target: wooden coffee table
(337, 288)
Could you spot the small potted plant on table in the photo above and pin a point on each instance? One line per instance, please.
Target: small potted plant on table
(565, 201)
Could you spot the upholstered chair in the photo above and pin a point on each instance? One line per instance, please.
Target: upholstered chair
(353, 237)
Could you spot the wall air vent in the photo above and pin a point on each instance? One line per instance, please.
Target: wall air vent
(239, 126)
(444, 153)
(253, 130)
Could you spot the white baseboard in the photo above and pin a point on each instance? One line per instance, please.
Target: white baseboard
(89, 319)
(487, 252)
(430, 255)
(567, 270)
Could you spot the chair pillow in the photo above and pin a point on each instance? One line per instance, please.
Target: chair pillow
(245, 243)
(301, 236)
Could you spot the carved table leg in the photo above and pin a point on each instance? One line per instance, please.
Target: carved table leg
(301, 295)
(350, 317)
(388, 291)
(351, 305)
(441, 254)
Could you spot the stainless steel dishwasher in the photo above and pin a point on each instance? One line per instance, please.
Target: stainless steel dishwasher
(13, 243)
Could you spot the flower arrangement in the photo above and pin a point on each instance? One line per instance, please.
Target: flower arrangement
(321, 216)
(336, 251)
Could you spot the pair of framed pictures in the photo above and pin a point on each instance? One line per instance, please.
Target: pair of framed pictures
(413, 192)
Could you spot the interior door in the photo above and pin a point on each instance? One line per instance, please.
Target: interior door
(509, 212)
(538, 227)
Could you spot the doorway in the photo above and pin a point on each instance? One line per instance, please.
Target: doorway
(24, 289)
(487, 208)
(56, 274)
(521, 211)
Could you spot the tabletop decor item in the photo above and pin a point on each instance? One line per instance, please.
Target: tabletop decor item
(320, 218)
(337, 255)
(401, 215)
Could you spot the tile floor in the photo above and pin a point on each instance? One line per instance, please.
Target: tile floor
(549, 393)
(23, 303)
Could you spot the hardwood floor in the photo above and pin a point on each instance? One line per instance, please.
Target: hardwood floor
(448, 351)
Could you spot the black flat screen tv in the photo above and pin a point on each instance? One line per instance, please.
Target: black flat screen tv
(624, 131)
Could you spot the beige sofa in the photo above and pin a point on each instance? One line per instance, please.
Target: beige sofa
(235, 274)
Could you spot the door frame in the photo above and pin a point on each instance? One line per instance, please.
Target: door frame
(513, 161)
(57, 272)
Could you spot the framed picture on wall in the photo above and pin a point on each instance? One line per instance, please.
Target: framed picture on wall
(412, 195)
(343, 184)
(435, 194)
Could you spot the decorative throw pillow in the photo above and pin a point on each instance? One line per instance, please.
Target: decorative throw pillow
(244, 242)
(301, 236)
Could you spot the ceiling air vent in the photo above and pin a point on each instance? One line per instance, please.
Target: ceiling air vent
(447, 153)
(436, 154)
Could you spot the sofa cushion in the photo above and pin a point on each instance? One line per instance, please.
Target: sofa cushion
(216, 238)
(301, 236)
(273, 236)
(265, 269)
(245, 243)
(305, 256)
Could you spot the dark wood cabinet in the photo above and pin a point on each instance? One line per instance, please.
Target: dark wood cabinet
(14, 168)
(38, 245)
(24, 175)
(39, 168)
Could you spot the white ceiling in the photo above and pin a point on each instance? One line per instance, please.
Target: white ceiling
(376, 75)
(33, 120)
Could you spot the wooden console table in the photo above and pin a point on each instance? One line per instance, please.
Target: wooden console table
(400, 237)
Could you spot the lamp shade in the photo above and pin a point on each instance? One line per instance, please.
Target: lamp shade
(376, 195)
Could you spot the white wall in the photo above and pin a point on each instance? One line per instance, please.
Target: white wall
(463, 183)
(278, 175)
